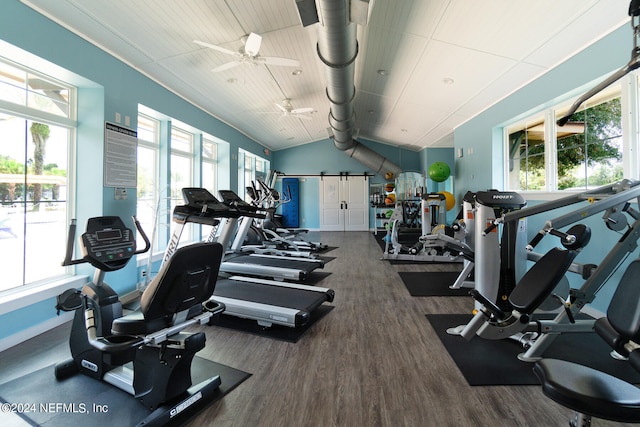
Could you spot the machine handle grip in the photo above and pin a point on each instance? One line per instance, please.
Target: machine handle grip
(71, 237)
(567, 238)
(114, 344)
(489, 229)
(536, 239)
(147, 243)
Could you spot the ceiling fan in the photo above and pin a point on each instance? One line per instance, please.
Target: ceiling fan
(248, 54)
(287, 110)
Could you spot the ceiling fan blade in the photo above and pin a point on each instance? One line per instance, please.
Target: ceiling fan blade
(226, 66)
(218, 48)
(301, 110)
(281, 108)
(252, 46)
(274, 60)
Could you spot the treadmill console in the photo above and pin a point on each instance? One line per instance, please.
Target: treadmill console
(202, 200)
(230, 198)
(107, 243)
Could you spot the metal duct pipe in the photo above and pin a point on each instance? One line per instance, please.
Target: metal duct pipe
(338, 49)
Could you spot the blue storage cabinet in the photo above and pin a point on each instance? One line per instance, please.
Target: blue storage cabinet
(291, 210)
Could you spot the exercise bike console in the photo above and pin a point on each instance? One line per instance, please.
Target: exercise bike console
(107, 244)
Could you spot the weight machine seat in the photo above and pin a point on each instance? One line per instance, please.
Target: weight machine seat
(592, 392)
(540, 280)
(183, 283)
(589, 391)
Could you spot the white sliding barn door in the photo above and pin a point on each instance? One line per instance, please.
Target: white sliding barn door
(344, 203)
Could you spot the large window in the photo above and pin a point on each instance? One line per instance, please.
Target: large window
(182, 165)
(149, 206)
(526, 147)
(589, 151)
(584, 153)
(251, 168)
(190, 159)
(209, 165)
(36, 130)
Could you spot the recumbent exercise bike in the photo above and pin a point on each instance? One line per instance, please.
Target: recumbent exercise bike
(145, 353)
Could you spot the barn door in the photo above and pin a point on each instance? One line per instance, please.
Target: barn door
(344, 203)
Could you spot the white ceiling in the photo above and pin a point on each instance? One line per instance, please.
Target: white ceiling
(447, 60)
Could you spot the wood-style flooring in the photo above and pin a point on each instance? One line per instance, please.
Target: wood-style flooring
(373, 361)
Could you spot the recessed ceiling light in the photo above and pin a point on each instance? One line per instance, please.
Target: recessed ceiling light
(296, 72)
(403, 130)
(448, 81)
(291, 138)
(370, 111)
(232, 80)
(383, 72)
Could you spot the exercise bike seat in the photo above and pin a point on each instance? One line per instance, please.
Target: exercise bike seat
(540, 280)
(177, 293)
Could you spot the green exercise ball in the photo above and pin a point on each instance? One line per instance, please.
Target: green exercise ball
(439, 171)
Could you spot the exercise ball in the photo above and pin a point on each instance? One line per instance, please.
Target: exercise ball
(439, 171)
(450, 201)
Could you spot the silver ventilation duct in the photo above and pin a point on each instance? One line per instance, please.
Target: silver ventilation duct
(338, 49)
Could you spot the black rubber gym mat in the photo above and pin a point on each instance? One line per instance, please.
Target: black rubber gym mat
(494, 362)
(73, 401)
(277, 332)
(431, 283)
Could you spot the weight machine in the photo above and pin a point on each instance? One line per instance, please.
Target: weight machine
(536, 334)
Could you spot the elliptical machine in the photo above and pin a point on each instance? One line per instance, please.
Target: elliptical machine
(144, 353)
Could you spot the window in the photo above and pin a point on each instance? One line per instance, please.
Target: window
(149, 202)
(209, 165)
(251, 168)
(526, 147)
(166, 165)
(36, 130)
(584, 153)
(182, 157)
(589, 149)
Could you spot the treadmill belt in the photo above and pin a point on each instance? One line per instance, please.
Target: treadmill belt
(276, 262)
(267, 294)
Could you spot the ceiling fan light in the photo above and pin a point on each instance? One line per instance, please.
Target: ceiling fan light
(296, 72)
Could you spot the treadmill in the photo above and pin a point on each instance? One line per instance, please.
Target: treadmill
(268, 302)
(269, 266)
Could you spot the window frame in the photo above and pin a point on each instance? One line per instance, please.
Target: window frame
(628, 93)
(14, 297)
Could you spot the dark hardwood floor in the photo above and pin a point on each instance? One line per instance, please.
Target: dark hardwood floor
(373, 361)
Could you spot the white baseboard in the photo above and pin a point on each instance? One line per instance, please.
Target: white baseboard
(35, 330)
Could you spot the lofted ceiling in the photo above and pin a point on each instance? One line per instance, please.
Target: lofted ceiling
(424, 66)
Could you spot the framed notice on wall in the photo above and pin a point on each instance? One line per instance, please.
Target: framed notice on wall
(120, 150)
